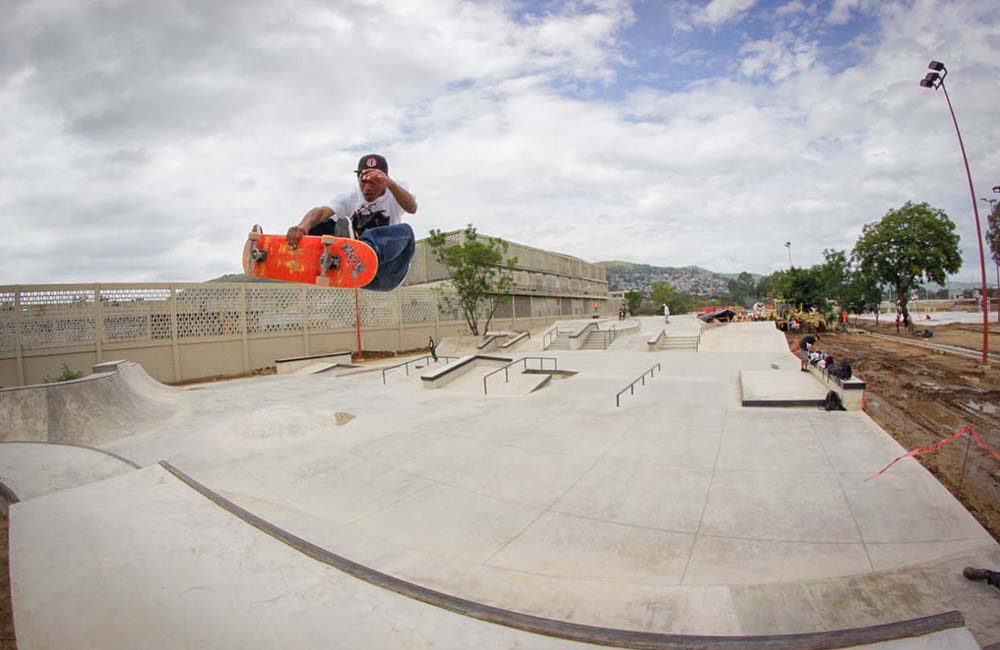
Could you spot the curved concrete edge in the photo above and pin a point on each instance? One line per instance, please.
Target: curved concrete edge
(122, 459)
(7, 499)
(601, 636)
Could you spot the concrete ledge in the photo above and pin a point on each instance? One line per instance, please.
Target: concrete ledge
(654, 341)
(107, 366)
(291, 364)
(851, 390)
(489, 340)
(451, 371)
(783, 388)
(601, 636)
(517, 339)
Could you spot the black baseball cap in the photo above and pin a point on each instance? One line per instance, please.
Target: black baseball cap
(372, 161)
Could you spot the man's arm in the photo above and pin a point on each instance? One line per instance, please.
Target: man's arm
(400, 193)
(402, 196)
(311, 218)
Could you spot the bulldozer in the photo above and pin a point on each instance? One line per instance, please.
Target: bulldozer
(782, 312)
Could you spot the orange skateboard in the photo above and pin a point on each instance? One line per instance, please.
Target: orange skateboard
(327, 260)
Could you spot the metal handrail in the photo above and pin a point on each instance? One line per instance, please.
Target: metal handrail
(506, 369)
(406, 364)
(550, 337)
(608, 336)
(631, 386)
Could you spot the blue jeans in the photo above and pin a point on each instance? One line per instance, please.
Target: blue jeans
(393, 245)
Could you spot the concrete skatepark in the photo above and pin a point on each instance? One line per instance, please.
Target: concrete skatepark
(358, 508)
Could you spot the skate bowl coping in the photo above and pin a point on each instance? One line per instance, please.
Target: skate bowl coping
(560, 629)
(451, 371)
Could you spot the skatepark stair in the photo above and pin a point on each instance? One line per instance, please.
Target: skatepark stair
(672, 342)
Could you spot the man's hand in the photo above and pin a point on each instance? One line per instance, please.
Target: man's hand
(295, 233)
(374, 176)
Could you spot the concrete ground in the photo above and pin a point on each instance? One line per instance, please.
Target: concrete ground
(679, 512)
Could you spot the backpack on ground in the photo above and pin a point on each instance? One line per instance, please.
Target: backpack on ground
(832, 402)
(844, 371)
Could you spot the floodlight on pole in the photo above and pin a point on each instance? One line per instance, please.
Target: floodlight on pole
(935, 80)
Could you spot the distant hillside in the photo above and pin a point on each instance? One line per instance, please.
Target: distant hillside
(627, 276)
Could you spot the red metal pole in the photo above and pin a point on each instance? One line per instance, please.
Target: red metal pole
(979, 234)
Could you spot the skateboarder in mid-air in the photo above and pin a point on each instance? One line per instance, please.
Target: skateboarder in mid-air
(372, 213)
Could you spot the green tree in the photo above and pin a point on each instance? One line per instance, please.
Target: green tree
(911, 242)
(480, 275)
(805, 287)
(743, 289)
(993, 238)
(633, 301)
(665, 294)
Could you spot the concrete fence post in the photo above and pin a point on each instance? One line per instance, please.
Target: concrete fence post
(175, 334)
(304, 314)
(18, 336)
(98, 323)
(244, 328)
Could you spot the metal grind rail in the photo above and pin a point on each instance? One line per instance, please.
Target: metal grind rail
(642, 378)
(406, 364)
(524, 360)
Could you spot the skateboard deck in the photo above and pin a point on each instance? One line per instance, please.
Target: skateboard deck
(324, 260)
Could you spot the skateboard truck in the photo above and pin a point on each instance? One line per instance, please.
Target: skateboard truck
(990, 577)
(256, 254)
(327, 261)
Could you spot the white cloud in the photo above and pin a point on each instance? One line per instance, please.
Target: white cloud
(718, 12)
(150, 137)
(778, 58)
(842, 11)
(793, 7)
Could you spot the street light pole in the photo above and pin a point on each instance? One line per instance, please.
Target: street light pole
(935, 80)
(788, 245)
(996, 252)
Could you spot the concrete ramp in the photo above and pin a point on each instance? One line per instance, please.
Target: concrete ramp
(743, 337)
(32, 470)
(780, 388)
(96, 409)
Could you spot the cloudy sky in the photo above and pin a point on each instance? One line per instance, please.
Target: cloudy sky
(139, 141)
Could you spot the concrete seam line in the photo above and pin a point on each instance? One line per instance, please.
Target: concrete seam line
(72, 444)
(611, 637)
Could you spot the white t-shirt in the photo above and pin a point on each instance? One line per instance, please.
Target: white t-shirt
(383, 211)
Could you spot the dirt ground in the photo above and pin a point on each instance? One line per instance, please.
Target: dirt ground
(7, 641)
(920, 396)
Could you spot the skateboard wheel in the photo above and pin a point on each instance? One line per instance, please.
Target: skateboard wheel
(328, 239)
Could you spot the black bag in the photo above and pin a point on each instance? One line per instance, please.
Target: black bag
(844, 371)
(832, 402)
